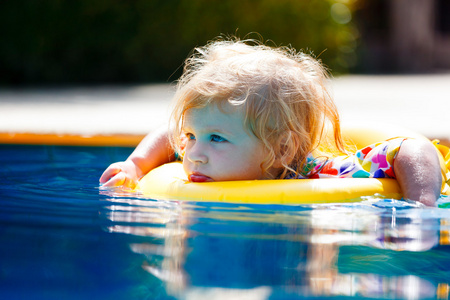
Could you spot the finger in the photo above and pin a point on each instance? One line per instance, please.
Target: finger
(129, 184)
(110, 172)
(115, 181)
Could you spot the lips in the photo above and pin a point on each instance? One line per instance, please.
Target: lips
(199, 177)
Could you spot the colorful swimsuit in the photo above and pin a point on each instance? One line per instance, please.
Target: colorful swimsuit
(374, 161)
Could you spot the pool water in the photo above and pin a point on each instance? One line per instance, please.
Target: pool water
(61, 237)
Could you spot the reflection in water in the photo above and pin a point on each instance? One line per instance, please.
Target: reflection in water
(379, 248)
(60, 239)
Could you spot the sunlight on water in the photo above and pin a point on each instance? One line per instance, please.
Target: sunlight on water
(213, 249)
(62, 237)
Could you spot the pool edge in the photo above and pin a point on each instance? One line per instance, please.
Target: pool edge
(118, 140)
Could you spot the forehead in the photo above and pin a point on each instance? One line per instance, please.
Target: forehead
(226, 116)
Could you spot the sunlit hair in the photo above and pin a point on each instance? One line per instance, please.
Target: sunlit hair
(283, 93)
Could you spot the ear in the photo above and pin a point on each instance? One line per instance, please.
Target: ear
(285, 152)
(278, 163)
(276, 168)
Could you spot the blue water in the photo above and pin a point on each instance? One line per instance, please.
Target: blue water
(61, 237)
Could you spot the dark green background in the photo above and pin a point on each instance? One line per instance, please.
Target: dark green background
(113, 41)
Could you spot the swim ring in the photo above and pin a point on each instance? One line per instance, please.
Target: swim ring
(169, 182)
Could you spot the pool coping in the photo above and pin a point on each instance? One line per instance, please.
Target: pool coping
(122, 115)
(97, 140)
(94, 140)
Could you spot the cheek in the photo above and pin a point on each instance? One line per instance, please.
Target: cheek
(253, 159)
(185, 165)
(258, 153)
(259, 158)
(185, 161)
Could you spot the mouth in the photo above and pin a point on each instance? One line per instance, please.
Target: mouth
(199, 177)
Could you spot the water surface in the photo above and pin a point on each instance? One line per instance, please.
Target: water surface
(62, 237)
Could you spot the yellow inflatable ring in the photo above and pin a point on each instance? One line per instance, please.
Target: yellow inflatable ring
(169, 182)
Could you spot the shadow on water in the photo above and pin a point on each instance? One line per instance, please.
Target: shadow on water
(63, 238)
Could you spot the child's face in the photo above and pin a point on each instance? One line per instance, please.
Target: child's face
(219, 148)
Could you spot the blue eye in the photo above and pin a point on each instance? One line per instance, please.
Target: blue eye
(217, 138)
(190, 136)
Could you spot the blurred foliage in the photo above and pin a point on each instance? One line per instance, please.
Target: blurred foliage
(122, 41)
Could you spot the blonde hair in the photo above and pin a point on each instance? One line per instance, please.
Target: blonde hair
(283, 92)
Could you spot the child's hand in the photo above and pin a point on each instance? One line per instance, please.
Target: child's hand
(153, 151)
(418, 171)
(125, 174)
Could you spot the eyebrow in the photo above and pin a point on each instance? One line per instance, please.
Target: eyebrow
(212, 129)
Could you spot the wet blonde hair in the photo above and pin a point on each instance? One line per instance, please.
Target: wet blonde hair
(283, 93)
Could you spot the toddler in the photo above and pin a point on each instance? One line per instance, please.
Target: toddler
(247, 111)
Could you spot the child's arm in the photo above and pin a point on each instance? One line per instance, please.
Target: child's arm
(153, 151)
(418, 171)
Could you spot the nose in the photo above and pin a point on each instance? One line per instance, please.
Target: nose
(196, 153)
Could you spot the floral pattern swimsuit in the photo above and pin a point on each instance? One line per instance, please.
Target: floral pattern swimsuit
(373, 161)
